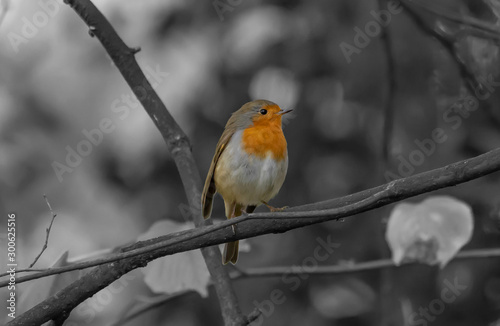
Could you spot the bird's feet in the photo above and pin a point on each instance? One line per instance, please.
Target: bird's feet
(275, 209)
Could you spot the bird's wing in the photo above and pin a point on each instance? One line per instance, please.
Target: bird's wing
(209, 189)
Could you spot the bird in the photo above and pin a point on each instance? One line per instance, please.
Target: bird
(249, 165)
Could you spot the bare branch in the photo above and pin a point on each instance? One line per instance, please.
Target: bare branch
(353, 267)
(176, 140)
(254, 225)
(47, 231)
(343, 267)
(145, 247)
(114, 266)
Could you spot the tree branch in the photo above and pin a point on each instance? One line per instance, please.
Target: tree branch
(353, 267)
(176, 140)
(173, 239)
(343, 267)
(251, 225)
(45, 244)
(259, 224)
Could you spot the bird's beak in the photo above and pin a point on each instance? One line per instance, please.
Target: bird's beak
(285, 112)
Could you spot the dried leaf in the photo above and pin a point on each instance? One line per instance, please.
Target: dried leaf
(431, 232)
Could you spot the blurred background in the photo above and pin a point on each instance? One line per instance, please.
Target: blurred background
(58, 87)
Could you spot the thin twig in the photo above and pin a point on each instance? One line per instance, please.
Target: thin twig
(26, 270)
(354, 267)
(47, 231)
(344, 267)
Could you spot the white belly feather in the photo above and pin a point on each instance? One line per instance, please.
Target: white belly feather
(248, 179)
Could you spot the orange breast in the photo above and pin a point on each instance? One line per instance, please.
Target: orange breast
(262, 138)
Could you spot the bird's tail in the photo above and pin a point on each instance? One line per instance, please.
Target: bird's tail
(231, 249)
(230, 252)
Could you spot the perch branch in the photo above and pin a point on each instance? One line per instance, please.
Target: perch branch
(258, 224)
(150, 246)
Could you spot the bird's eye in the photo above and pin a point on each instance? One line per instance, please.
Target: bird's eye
(263, 111)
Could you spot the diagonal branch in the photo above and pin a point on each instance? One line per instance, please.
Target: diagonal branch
(176, 140)
(259, 224)
(256, 224)
(300, 216)
(173, 239)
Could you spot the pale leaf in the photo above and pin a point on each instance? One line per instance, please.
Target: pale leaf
(431, 232)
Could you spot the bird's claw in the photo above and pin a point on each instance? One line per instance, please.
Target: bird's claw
(275, 209)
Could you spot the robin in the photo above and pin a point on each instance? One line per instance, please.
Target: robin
(249, 165)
